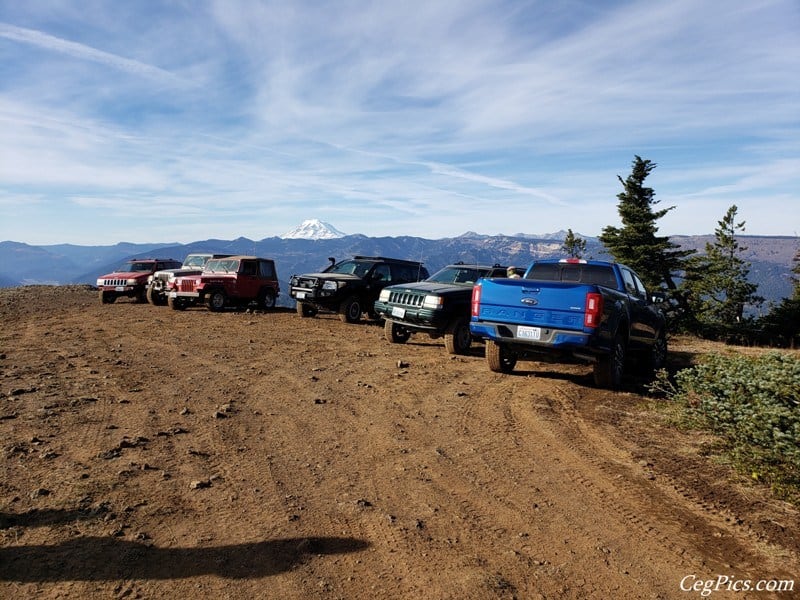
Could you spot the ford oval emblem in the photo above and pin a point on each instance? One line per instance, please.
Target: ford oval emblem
(530, 301)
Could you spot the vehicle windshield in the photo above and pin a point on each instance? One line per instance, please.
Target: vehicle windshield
(136, 267)
(351, 267)
(462, 275)
(222, 265)
(195, 261)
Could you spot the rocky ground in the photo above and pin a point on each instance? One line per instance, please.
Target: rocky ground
(148, 453)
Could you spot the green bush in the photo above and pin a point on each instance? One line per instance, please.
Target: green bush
(753, 404)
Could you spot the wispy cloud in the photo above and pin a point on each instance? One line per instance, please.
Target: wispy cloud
(426, 118)
(76, 50)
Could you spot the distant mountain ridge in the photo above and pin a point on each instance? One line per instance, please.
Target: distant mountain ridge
(23, 264)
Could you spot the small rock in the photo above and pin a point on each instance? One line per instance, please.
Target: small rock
(401, 364)
(199, 484)
(39, 492)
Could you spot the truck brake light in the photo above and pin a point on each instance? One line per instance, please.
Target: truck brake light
(476, 300)
(594, 309)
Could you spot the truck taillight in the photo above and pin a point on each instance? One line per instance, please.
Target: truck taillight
(476, 300)
(594, 309)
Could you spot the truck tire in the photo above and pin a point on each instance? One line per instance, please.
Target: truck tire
(499, 358)
(457, 338)
(656, 356)
(608, 369)
(217, 300)
(350, 310)
(267, 300)
(107, 297)
(304, 310)
(394, 333)
(153, 297)
(176, 303)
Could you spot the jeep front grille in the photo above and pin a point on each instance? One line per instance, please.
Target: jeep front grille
(115, 282)
(406, 298)
(186, 286)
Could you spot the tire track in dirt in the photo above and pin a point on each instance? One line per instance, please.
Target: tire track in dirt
(646, 506)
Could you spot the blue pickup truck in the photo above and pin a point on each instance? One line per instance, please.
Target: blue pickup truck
(595, 311)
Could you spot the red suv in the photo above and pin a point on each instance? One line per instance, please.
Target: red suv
(230, 281)
(131, 279)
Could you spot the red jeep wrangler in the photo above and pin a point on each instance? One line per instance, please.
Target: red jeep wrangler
(131, 278)
(231, 281)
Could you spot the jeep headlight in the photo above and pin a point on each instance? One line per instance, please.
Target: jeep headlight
(330, 285)
(384, 296)
(432, 302)
(131, 282)
(100, 282)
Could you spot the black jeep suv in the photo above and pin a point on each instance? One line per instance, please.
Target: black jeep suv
(438, 306)
(350, 287)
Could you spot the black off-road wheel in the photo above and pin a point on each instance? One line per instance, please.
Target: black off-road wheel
(217, 300)
(107, 297)
(304, 310)
(457, 338)
(655, 357)
(394, 333)
(267, 300)
(350, 310)
(153, 297)
(176, 303)
(499, 358)
(608, 370)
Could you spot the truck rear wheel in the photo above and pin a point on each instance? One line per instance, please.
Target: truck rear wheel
(457, 338)
(608, 369)
(499, 358)
(350, 310)
(394, 333)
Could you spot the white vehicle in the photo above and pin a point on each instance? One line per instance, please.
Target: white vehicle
(159, 282)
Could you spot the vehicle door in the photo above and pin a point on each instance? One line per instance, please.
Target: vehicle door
(379, 278)
(642, 318)
(248, 282)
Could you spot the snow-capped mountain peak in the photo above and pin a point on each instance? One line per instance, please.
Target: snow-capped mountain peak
(313, 229)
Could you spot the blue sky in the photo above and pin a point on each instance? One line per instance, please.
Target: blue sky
(184, 120)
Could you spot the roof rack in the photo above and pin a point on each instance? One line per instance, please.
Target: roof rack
(396, 260)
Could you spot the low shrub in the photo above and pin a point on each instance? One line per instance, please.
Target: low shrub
(753, 404)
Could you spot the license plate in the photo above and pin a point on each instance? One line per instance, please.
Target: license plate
(529, 333)
(300, 295)
(398, 311)
(119, 288)
(173, 294)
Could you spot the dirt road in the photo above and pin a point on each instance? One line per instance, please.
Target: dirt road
(148, 453)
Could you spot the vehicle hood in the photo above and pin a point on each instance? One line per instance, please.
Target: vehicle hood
(433, 287)
(127, 275)
(335, 276)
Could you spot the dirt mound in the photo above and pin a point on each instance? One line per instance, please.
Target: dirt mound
(151, 453)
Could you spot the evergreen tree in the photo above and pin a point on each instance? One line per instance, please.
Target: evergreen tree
(573, 245)
(782, 324)
(655, 258)
(716, 282)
